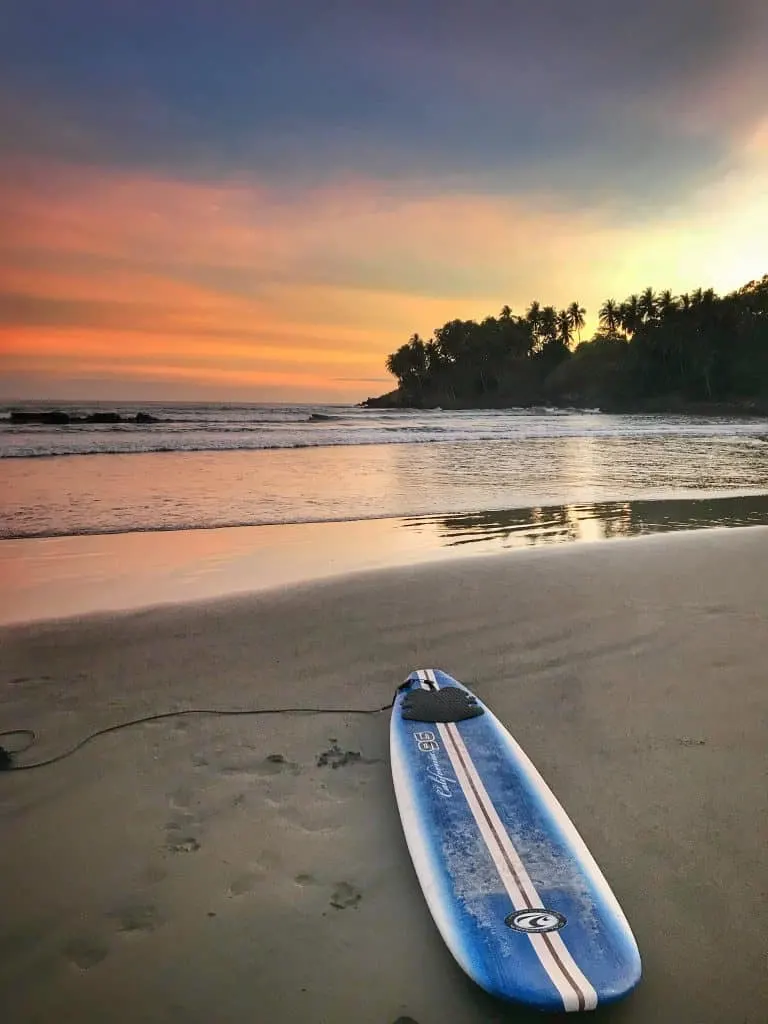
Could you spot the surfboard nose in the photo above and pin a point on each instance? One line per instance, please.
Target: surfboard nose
(413, 679)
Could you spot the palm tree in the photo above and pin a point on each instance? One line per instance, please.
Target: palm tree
(685, 301)
(565, 327)
(667, 304)
(516, 334)
(576, 314)
(647, 305)
(548, 323)
(533, 316)
(631, 318)
(610, 315)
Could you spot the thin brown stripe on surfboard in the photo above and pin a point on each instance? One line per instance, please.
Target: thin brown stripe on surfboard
(556, 956)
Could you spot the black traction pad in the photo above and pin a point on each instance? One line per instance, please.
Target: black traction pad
(447, 705)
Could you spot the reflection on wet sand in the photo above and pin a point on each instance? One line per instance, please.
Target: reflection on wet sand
(606, 520)
(65, 576)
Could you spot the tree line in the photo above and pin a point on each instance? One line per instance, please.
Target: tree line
(697, 347)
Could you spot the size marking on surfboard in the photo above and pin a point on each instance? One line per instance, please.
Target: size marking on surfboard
(427, 743)
(535, 921)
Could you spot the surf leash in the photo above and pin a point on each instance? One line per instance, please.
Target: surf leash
(8, 757)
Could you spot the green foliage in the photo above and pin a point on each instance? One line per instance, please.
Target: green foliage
(596, 375)
(695, 348)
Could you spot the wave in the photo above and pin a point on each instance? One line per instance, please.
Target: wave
(264, 446)
(241, 428)
(283, 444)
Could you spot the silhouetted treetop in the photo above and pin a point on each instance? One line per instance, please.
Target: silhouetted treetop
(652, 347)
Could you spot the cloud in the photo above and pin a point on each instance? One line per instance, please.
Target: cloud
(640, 102)
(206, 280)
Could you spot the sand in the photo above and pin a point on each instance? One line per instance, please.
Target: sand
(243, 870)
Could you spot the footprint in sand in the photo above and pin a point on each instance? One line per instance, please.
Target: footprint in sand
(85, 951)
(305, 879)
(345, 895)
(181, 833)
(275, 763)
(136, 917)
(335, 757)
(182, 844)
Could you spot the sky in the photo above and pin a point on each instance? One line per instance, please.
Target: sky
(258, 201)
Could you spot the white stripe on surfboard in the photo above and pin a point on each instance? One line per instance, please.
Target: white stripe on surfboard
(574, 988)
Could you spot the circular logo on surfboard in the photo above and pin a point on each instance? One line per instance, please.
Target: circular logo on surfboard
(535, 921)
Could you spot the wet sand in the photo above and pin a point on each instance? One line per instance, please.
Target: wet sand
(245, 869)
(52, 577)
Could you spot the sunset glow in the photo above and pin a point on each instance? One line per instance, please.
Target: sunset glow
(152, 248)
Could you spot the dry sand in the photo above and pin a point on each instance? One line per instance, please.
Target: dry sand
(222, 870)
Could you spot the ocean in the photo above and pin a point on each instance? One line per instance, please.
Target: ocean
(204, 466)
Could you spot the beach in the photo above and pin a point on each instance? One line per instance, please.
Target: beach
(308, 393)
(236, 869)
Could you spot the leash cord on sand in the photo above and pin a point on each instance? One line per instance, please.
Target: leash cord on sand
(7, 762)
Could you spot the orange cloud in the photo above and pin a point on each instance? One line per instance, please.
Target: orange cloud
(221, 285)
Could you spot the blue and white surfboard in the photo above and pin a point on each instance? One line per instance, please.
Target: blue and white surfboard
(516, 895)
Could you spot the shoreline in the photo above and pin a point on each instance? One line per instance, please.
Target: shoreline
(662, 406)
(71, 576)
(223, 868)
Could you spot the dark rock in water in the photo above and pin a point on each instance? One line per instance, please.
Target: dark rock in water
(59, 418)
(103, 417)
(54, 416)
(319, 416)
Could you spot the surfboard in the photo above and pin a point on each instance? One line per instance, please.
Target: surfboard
(513, 889)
